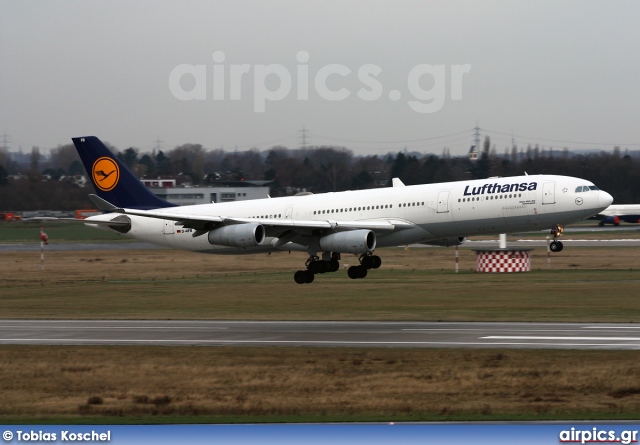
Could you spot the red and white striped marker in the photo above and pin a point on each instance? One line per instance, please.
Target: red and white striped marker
(44, 239)
(457, 266)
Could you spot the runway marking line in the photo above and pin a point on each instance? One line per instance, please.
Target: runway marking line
(517, 337)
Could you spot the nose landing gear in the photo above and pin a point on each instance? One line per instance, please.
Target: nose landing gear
(555, 245)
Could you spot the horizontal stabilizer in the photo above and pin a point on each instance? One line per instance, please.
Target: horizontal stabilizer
(83, 221)
(102, 204)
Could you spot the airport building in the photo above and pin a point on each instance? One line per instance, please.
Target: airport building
(223, 191)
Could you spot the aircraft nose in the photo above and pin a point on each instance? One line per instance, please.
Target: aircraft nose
(605, 199)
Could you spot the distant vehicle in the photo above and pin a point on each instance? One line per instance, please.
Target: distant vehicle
(83, 214)
(327, 225)
(9, 216)
(629, 213)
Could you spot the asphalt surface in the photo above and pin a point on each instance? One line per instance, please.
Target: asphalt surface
(323, 334)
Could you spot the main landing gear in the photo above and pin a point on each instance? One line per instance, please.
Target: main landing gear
(331, 263)
(315, 265)
(555, 245)
(367, 261)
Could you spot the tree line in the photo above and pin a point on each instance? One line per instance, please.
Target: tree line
(315, 169)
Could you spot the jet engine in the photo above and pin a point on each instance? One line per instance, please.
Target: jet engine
(355, 241)
(455, 241)
(238, 235)
(121, 223)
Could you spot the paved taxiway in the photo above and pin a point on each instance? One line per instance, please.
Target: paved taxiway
(319, 333)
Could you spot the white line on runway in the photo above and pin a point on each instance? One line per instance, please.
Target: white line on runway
(611, 327)
(514, 337)
(485, 329)
(106, 328)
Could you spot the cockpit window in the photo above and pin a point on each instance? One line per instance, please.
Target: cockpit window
(579, 189)
(593, 187)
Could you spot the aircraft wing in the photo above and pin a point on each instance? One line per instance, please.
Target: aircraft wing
(375, 225)
(274, 227)
(204, 221)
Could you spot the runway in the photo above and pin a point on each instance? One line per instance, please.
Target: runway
(322, 334)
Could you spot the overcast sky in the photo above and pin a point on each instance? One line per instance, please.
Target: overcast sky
(369, 75)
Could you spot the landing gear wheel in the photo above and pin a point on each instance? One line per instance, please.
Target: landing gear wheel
(371, 261)
(556, 246)
(334, 266)
(308, 276)
(300, 276)
(354, 272)
(303, 276)
(362, 272)
(316, 267)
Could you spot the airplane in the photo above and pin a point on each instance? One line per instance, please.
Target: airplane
(629, 213)
(325, 226)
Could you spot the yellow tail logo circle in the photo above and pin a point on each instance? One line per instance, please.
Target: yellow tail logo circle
(105, 173)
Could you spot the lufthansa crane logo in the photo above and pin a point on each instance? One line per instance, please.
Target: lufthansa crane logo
(105, 173)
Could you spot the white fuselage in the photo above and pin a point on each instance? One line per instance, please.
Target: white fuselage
(621, 209)
(423, 213)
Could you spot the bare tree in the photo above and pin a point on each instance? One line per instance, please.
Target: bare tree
(63, 157)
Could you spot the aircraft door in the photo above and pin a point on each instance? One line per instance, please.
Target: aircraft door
(288, 213)
(443, 202)
(548, 193)
(168, 227)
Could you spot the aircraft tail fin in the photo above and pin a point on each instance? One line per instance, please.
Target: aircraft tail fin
(112, 180)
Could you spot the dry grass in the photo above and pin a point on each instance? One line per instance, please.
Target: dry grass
(595, 284)
(45, 382)
(23, 268)
(417, 284)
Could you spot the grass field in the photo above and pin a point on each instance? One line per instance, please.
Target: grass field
(104, 384)
(586, 284)
(29, 232)
(236, 384)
